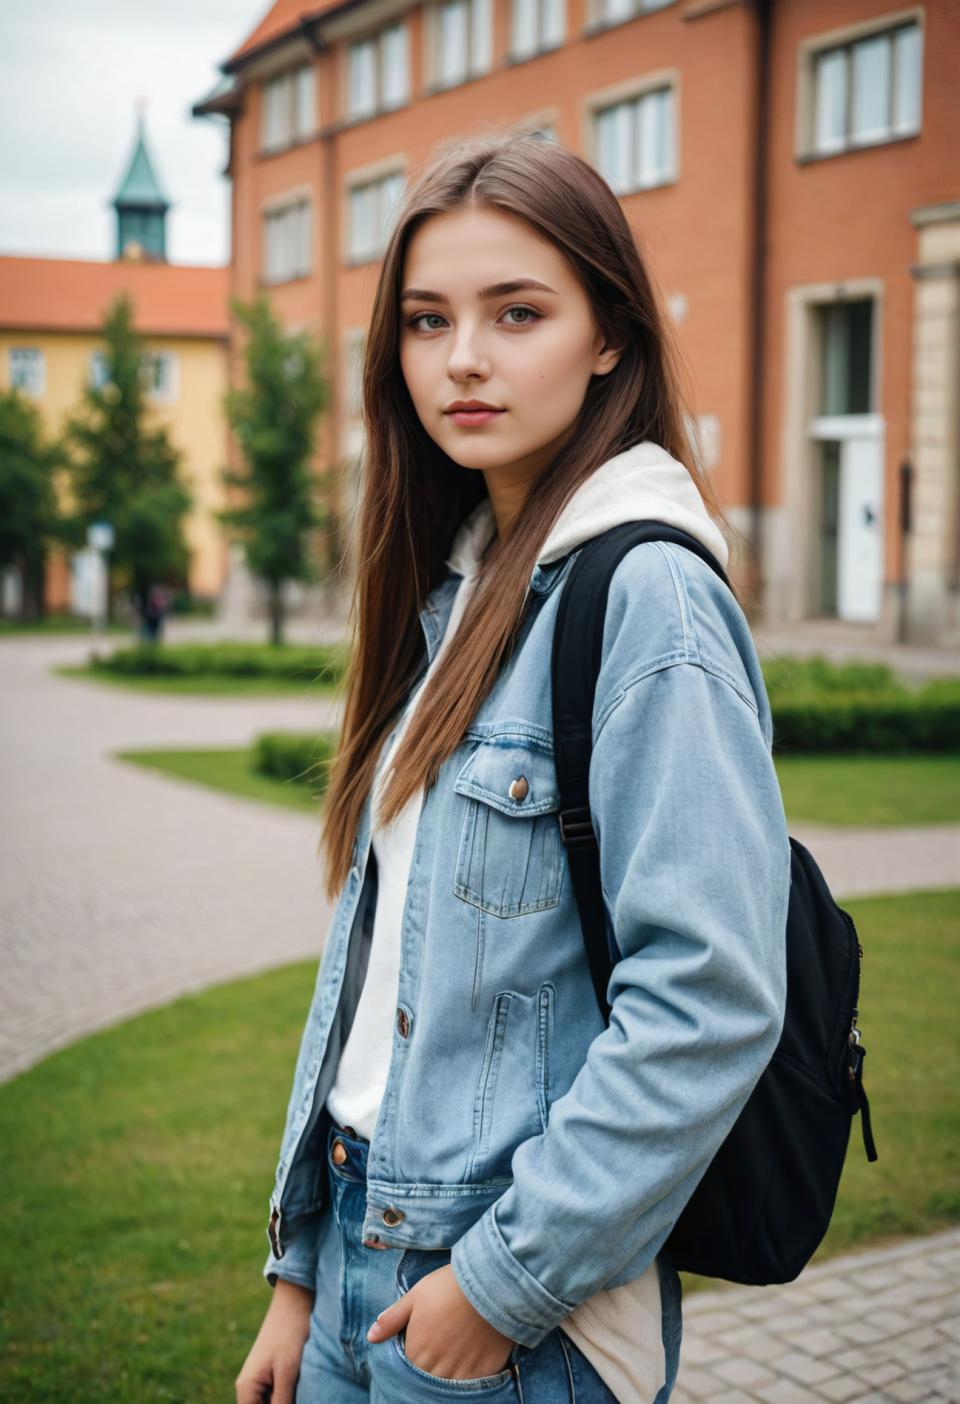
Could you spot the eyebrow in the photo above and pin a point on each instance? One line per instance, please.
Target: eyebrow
(493, 290)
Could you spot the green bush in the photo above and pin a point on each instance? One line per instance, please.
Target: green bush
(305, 760)
(800, 677)
(823, 706)
(867, 724)
(323, 663)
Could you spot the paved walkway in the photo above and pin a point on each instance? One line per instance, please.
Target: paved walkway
(865, 1328)
(124, 888)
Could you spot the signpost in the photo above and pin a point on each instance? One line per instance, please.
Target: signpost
(100, 537)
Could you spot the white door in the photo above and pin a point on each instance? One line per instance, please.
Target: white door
(860, 529)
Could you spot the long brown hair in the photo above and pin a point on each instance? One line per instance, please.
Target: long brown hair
(413, 497)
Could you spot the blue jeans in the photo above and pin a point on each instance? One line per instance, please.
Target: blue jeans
(340, 1366)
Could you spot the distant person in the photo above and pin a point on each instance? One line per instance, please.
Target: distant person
(154, 607)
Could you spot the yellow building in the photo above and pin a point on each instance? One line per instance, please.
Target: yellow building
(51, 312)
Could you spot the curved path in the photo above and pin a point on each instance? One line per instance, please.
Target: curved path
(122, 888)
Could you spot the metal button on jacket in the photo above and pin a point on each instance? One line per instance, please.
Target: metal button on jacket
(393, 1216)
(339, 1152)
(518, 788)
(403, 1023)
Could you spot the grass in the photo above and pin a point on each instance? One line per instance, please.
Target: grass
(871, 789)
(137, 1169)
(226, 770)
(60, 624)
(853, 790)
(138, 1165)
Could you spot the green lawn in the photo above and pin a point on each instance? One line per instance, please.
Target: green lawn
(137, 1167)
(227, 770)
(912, 789)
(871, 789)
(59, 624)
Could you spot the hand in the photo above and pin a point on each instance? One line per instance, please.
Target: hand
(271, 1369)
(445, 1334)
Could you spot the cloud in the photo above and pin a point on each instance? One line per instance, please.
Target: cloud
(69, 81)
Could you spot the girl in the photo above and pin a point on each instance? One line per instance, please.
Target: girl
(477, 1179)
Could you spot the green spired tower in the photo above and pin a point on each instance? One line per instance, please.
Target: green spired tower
(141, 206)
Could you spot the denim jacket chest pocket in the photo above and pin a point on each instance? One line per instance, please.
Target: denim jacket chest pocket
(509, 855)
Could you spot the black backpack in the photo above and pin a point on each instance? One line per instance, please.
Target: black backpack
(759, 1212)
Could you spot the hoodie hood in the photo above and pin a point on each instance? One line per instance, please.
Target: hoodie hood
(644, 482)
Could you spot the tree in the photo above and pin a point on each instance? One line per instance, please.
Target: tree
(125, 470)
(29, 517)
(273, 417)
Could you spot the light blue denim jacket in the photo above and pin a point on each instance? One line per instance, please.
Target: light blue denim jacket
(552, 1155)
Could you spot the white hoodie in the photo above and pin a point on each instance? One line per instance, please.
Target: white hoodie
(644, 482)
(618, 1330)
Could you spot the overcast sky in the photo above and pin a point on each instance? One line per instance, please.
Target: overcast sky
(70, 75)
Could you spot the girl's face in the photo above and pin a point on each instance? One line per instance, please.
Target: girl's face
(529, 351)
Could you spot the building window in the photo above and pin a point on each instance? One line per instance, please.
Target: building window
(99, 372)
(378, 72)
(371, 209)
(462, 41)
(286, 232)
(615, 11)
(536, 25)
(161, 375)
(288, 113)
(636, 141)
(28, 372)
(846, 330)
(868, 90)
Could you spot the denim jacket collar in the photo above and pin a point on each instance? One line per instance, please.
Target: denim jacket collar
(439, 602)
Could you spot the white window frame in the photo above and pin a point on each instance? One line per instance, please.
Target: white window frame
(536, 27)
(97, 370)
(631, 111)
(840, 49)
(28, 370)
(605, 14)
(477, 38)
(168, 391)
(363, 245)
(287, 237)
(373, 50)
(287, 108)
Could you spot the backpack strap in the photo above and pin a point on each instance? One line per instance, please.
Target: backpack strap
(575, 664)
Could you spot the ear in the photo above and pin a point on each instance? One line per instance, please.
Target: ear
(605, 357)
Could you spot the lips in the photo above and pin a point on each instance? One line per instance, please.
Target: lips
(473, 416)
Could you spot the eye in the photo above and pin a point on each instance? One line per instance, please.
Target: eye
(529, 310)
(414, 321)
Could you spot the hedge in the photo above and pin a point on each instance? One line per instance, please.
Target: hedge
(289, 756)
(324, 663)
(865, 723)
(823, 706)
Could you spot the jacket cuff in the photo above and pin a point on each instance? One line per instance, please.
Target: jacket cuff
(299, 1261)
(501, 1289)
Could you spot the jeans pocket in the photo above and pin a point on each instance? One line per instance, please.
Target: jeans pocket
(417, 1263)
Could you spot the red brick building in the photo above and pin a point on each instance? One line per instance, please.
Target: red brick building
(789, 168)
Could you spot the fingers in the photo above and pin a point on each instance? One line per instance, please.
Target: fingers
(250, 1391)
(391, 1320)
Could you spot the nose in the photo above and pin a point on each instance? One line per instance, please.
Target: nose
(467, 357)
